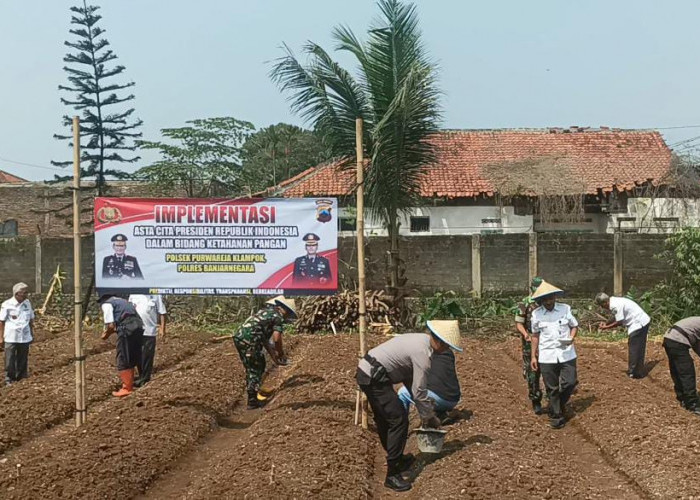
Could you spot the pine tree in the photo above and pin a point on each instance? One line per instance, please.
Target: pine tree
(105, 131)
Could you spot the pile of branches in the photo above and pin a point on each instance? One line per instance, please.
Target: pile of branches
(341, 312)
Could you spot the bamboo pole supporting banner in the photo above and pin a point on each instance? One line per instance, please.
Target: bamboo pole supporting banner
(361, 404)
(80, 413)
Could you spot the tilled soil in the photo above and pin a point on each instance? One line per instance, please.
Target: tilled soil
(187, 434)
(47, 397)
(302, 445)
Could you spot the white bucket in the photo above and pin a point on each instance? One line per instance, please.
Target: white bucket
(430, 440)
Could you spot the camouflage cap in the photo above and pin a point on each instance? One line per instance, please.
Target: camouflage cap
(536, 281)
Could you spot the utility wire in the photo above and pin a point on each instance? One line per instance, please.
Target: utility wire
(57, 169)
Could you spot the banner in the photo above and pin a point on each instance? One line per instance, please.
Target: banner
(216, 247)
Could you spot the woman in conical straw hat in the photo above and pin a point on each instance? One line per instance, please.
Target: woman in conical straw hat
(443, 384)
(405, 359)
(554, 329)
(263, 330)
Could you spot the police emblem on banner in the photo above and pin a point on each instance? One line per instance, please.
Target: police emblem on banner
(323, 210)
(109, 215)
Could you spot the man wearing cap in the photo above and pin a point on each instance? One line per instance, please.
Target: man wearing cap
(628, 313)
(120, 265)
(120, 316)
(262, 330)
(311, 269)
(405, 359)
(152, 311)
(681, 337)
(16, 329)
(554, 329)
(523, 320)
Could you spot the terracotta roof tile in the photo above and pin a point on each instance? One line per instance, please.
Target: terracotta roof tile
(481, 162)
(7, 178)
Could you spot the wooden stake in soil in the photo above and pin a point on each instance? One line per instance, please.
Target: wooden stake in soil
(360, 223)
(78, 316)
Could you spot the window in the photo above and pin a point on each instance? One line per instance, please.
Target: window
(8, 229)
(347, 223)
(492, 221)
(420, 224)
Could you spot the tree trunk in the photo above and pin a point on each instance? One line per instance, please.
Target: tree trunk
(393, 254)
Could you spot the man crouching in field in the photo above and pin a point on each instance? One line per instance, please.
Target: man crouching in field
(554, 329)
(120, 316)
(262, 330)
(405, 359)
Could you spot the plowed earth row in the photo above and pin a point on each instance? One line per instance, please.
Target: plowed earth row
(188, 435)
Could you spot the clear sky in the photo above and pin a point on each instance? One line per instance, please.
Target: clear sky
(507, 63)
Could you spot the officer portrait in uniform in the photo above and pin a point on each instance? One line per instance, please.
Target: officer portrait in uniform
(120, 265)
(311, 269)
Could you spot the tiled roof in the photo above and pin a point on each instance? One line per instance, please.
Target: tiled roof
(528, 162)
(6, 178)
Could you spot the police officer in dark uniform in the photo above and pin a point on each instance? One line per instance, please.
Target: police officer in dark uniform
(120, 265)
(311, 269)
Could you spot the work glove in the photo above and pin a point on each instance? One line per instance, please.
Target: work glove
(431, 423)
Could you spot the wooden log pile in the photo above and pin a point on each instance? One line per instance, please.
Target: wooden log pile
(341, 312)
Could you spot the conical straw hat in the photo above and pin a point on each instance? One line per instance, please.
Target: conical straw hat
(288, 304)
(447, 331)
(545, 289)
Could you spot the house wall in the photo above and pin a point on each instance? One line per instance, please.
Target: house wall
(650, 215)
(454, 220)
(46, 209)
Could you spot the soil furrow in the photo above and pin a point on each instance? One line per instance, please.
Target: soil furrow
(40, 402)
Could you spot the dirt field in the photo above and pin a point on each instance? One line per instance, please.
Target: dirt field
(188, 435)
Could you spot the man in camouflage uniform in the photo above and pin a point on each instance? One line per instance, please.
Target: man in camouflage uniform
(262, 330)
(523, 315)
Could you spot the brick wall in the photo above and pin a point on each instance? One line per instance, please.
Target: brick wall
(582, 264)
(46, 209)
(640, 268)
(431, 262)
(504, 262)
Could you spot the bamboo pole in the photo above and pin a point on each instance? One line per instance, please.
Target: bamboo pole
(77, 305)
(360, 228)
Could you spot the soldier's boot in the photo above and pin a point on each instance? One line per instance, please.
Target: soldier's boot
(394, 480)
(537, 407)
(253, 403)
(127, 377)
(557, 421)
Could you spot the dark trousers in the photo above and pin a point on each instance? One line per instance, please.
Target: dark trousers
(560, 381)
(636, 350)
(391, 419)
(16, 357)
(128, 351)
(148, 355)
(682, 368)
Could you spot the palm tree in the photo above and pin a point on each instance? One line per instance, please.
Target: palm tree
(396, 95)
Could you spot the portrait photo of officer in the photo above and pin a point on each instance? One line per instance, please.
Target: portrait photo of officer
(119, 264)
(311, 269)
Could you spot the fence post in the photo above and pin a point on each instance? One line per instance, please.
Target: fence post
(476, 264)
(532, 254)
(38, 285)
(618, 264)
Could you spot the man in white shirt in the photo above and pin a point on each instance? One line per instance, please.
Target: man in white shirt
(152, 311)
(628, 313)
(16, 328)
(554, 329)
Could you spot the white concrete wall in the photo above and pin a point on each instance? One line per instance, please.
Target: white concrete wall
(646, 213)
(471, 219)
(455, 220)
